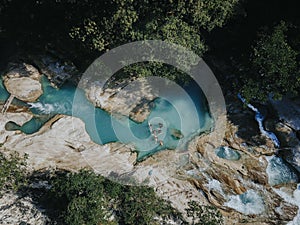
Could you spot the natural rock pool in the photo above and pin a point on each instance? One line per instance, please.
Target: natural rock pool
(225, 152)
(172, 122)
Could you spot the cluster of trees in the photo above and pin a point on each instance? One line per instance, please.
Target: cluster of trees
(274, 69)
(12, 171)
(207, 215)
(181, 22)
(97, 26)
(87, 198)
(88, 28)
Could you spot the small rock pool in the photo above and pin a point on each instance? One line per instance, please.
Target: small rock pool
(225, 152)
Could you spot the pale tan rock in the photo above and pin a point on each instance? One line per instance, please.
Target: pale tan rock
(22, 81)
(57, 146)
(24, 88)
(132, 101)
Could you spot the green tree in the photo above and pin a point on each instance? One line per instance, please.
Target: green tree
(99, 33)
(87, 198)
(140, 205)
(12, 171)
(80, 198)
(124, 20)
(173, 30)
(274, 68)
(180, 22)
(207, 14)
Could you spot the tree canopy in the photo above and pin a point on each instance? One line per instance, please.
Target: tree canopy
(274, 67)
(86, 29)
(179, 22)
(87, 198)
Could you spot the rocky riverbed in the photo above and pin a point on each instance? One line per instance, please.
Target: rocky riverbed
(240, 189)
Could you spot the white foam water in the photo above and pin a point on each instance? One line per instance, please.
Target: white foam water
(214, 184)
(279, 172)
(293, 199)
(248, 203)
(48, 108)
(260, 118)
(42, 108)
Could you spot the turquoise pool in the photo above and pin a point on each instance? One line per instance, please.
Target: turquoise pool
(166, 118)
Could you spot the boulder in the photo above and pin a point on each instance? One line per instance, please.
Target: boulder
(292, 156)
(290, 151)
(288, 111)
(24, 88)
(22, 70)
(133, 100)
(57, 70)
(22, 81)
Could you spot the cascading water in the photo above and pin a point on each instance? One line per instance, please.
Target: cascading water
(279, 172)
(294, 199)
(247, 203)
(260, 118)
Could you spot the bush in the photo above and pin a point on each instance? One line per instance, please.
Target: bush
(12, 171)
(140, 205)
(204, 215)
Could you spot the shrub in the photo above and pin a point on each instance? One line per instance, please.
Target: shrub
(12, 171)
(204, 215)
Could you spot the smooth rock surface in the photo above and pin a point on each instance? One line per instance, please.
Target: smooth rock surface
(63, 143)
(24, 88)
(22, 81)
(195, 174)
(133, 100)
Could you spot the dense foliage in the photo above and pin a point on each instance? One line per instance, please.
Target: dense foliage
(175, 21)
(83, 30)
(179, 22)
(86, 198)
(97, 26)
(12, 171)
(274, 68)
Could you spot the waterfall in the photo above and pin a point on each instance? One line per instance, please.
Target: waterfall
(260, 118)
